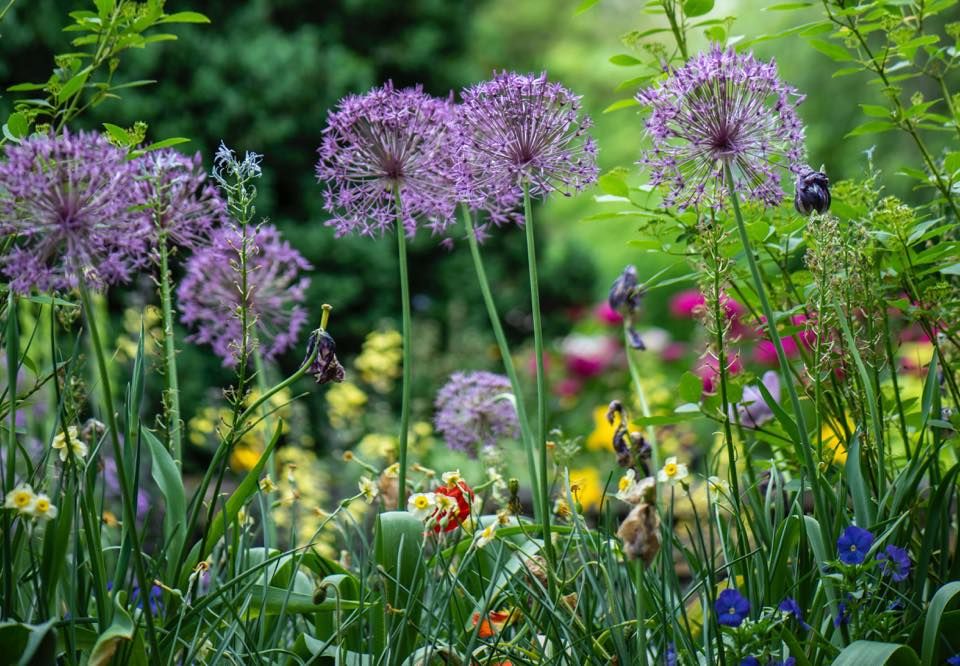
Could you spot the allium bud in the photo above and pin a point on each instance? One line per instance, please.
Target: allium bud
(325, 367)
(813, 192)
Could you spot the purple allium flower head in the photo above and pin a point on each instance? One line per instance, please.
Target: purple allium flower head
(71, 203)
(894, 562)
(210, 297)
(722, 107)
(186, 206)
(521, 128)
(753, 408)
(387, 140)
(475, 410)
(854, 544)
(732, 607)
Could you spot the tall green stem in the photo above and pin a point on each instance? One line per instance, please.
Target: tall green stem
(128, 503)
(507, 358)
(172, 397)
(541, 381)
(407, 355)
(9, 474)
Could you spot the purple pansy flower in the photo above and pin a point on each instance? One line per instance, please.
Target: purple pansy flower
(894, 562)
(732, 607)
(753, 409)
(790, 606)
(854, 544)
(722, 107)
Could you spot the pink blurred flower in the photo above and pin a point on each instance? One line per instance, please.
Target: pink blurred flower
(608, 315)
(588, 355)
(674, 351)
(708, 370)
(568, 387)
(765, 353)
(684, 304)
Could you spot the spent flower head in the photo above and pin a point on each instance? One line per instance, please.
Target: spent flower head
(722, 108)
(185, 204)
(895, 563)
(522, 129)
(475, 410)
(387, 155)
(72, 206)
(210, 294)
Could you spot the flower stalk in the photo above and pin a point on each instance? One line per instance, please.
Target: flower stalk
(407, 353)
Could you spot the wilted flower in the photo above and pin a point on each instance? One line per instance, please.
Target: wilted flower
(186, 206)
(70, 202)
(75, 446)
(387, 149)
(632, 490)
(368, 489)
(753, 410)
(20, 498)
(813, 192)
(626, 297)
(210, 297)
(854, 544)
(640, 533)
(732, 608)
(722, 107)
(475, 410)
(672, 471)
(267, 484)
(522, 129)
(326, 367)
(894, 562)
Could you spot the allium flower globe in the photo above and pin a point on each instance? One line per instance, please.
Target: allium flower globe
(385, 141)
(209, 294)
(475, 410)
(70, 202)
(184, 202)
(722, 107)
(521, 128)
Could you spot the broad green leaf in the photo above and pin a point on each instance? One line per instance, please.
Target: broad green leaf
(167, 476)
(398, 550)
(691, 387)
(26, 87)
(716, 34)
(621, 104)
(624, 60)
(120, 631)
(946, 598)
(184, 17)
(118, 134)
(831, 50)
(73, 85)
(859, 653)
(863, 507)
(697, 7)
(613, 184)
(28, 644)
(166, 143)
(584, 6)
(872, 127)
(18, 125)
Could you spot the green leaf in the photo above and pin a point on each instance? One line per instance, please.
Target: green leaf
(166, 143)
(831, 50)
(121, 630)
(75, 83)
(691, 387)
(613, 184)
(26, 87)
(624, 60)
(621, 104)
(945, 599)
(863, 507)
(584, 6)
(716, 34)
(118, 134)
(18, 125)
(29, 644)
(184, 17)
(697, 7)
(398, 550)
(872, 127)
(787, 6)
(104, 7)
(167, 476)
(876, 654)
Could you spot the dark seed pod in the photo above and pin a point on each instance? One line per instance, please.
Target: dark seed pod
(813, 192)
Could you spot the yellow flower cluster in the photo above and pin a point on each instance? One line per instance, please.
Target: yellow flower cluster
(380, 360)
(300, 496)
(24, 501)
(345, 403)
(152, 328)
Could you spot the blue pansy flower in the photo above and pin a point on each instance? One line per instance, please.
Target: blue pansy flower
(791, 607)
(843, 614)
(854, 544)
(732, 607)
(954, 660)
(894, 562)
(750, 661)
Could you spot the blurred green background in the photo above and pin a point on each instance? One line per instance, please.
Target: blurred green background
(263, 75)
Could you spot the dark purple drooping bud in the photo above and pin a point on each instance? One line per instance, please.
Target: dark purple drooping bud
(325, 367)
(813, 192)
(626, 297)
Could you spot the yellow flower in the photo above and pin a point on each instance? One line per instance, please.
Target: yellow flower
(41, 508)
(486, 535)
(834, 449)
(244, 458)
(378, 445)
(368, 489)
(672, 471)
(76, 446)
(379, 362)
(20, 498)
(345, 403)
(267, 485)
(586, 487)
(422, 505)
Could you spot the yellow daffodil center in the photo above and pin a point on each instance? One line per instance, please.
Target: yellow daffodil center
(670, 469)
(421, 502)
(624, 483)
(42, 506)
(21, 499)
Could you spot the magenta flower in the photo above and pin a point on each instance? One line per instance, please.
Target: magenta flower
(383, 142)
(210, 294)
(520, 129)
(185, 204)
(475, 410)
(722, 107)
(70, 202)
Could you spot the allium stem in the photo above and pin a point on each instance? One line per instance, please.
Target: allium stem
(407, 360)
(9, 474)
(129, 500)
(804, 443)
(541, 381)
(508, 365)
(172, 397)
(641, 398)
